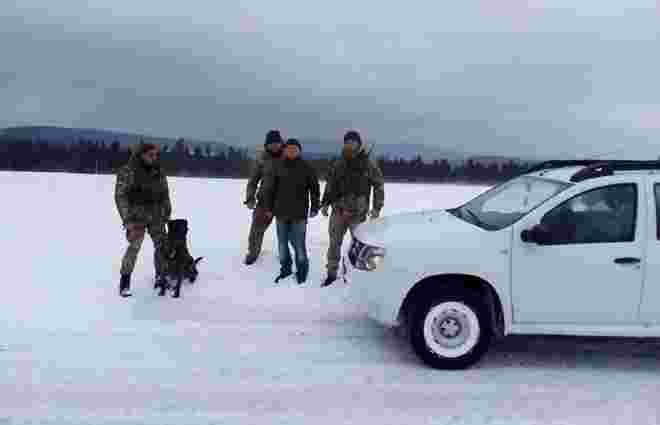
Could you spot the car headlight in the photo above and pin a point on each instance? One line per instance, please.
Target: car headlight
(365, 257)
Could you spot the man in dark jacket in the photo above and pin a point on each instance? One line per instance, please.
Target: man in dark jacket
(348, 189)
(287, 194)
(143, 201)
(260, 222)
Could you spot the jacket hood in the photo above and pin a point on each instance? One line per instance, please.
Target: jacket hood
(136, 161)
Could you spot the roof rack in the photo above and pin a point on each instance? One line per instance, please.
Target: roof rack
(560, 163)
(596, 168)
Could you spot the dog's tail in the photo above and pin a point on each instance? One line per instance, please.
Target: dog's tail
(197, 260)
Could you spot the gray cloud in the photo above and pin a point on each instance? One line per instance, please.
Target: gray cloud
(479, 76)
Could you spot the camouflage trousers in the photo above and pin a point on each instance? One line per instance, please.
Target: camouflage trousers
(158, 234)
(340, 223)
(260, 224)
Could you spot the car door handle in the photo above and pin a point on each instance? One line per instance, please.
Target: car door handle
(627, 260)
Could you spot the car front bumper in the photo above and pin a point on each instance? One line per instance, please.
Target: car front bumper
(379, 292)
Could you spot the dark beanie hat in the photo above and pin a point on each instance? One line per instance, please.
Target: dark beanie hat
(352, 135)
(293, 142)
(273, 136)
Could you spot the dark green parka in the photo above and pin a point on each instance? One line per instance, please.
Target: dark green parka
(290, 190)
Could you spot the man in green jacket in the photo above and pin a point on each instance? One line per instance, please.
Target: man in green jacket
(291, 193)
(264, 166)
(348, 190)
(143, 201)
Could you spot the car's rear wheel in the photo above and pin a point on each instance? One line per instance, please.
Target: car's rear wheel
(451, 331)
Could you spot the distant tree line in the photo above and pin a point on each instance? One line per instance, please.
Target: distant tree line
(441, 170)
(94, 157)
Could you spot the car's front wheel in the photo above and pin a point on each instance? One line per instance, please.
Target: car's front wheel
(451, 331)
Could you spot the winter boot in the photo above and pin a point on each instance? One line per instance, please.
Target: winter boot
(283, 275)
(250, 259)
(160, 284)
(301, 274)
(329, 280)
(125, 285)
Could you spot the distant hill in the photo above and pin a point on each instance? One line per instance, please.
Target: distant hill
(64, 135)
(313, 147)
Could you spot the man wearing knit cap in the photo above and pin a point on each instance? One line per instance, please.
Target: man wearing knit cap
(348, 190)
(260, 221)
(292, 194)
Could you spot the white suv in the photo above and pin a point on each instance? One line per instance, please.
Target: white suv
(570, 248)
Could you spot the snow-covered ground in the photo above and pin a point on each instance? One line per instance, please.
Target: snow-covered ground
(236, 349)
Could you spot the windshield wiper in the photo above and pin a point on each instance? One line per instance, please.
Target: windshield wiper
(475, 217)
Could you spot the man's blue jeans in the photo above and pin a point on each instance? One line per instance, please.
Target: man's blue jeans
(294, 233)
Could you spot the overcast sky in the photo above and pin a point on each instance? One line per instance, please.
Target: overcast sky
(514, 77)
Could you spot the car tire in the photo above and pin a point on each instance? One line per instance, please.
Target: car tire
(451, 331)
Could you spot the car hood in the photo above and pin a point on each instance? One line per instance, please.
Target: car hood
(417, 227)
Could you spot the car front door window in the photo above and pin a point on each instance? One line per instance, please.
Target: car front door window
(603, 215)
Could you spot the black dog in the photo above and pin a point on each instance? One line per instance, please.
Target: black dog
(179, 263)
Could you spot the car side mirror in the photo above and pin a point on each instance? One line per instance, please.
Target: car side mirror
(538, 234)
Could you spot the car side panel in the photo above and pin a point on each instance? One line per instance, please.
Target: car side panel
(487, 257)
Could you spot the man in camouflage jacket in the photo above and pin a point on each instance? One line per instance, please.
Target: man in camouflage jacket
(348, 190)
(143, 201)
(264, 167)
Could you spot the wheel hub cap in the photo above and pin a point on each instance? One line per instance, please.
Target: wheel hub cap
(451, 329)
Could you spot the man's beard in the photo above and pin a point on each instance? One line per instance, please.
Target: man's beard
(348, 152)
(275, 154)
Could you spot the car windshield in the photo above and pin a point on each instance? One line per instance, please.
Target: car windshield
(505, 204)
